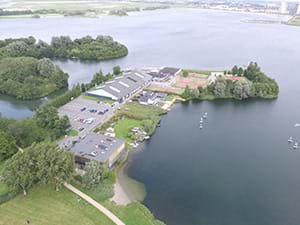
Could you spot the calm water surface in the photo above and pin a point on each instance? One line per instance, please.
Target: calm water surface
(238, 170)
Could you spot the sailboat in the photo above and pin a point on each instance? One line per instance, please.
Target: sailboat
(290, 140)
(296, 145)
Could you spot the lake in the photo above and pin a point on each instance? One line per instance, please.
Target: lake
(238, 170)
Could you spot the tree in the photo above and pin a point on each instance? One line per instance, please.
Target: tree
(7, 146)
(235, 70)
(18, 48)
(42, 163)
(219, 88)
(242, 90)
(46, 67)
(116, 70)
(185, 73)
(240, 71)
(187, 92)
(94, 174)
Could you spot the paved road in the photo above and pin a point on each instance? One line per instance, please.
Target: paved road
(101, 208)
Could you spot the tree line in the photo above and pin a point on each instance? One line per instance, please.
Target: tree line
(85, 48)
(255, 85)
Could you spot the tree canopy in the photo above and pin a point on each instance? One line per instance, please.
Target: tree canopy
(88, 48)
(41, 163)
(28, 78)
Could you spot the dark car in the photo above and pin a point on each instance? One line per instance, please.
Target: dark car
(83, 109)
(81, 128)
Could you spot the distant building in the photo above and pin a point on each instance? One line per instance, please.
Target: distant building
(98, 147)
(165, 73)
(148, 98)
(298, 9)
(122, 87)
(213, 77)
(284, 8)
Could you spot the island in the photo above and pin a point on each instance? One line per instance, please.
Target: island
(85, 48)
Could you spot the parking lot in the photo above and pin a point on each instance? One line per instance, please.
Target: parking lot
(85, 114)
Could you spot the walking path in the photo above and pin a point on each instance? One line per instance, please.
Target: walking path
(101, 208)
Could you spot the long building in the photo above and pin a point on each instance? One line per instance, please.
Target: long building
(122, 87)
(98, 147)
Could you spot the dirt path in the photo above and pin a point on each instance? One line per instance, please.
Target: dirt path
(101, 208)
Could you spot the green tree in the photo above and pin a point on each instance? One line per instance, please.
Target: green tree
(219, 88)
(185, 73)
(7, 146)
(235, 70)
(116, 70)
(94, 174)
(41, 163)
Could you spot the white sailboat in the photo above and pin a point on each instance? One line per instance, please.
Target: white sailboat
(296, 145)
(290, 140)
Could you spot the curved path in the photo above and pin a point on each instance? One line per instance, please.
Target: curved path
(101, 208)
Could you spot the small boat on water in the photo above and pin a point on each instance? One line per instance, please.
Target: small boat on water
(200, 126)
(290, 140)
(296, 145)
(205, 115)
(297, 125)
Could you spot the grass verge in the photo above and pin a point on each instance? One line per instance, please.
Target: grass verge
(44, 205)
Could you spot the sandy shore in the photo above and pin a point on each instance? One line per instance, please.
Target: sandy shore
(120, 197)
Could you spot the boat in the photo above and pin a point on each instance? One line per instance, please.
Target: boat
(200, 126)
(296, 145)
(290, 140)
(205, 115)
(297, 125)
(201, 120)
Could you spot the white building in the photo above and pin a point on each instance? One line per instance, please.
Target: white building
(284, 8)
(298, 10)
(122, 87)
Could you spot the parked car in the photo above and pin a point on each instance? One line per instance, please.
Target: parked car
(81, 129)
(83, 109)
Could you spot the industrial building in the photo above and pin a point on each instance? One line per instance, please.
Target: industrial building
(122, 87)
(164, 73)
(98, 147)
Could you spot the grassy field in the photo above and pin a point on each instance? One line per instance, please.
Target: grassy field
(124, 126)
(133, 115)
(45, 206)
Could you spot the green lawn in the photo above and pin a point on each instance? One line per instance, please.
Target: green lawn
(124, 126)
(1, 167)
(45, 206)
(73, 133)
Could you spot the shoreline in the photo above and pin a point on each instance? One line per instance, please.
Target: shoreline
(126, 189)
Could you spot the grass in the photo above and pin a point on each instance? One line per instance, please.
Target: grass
(124, 126)
(133, 115)
(73, 133)
(3, 187)
(98, 99)
(44, 205)
(133, 214)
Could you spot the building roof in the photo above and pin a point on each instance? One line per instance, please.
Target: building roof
(169, 71)
(123, 85)
(97, 147)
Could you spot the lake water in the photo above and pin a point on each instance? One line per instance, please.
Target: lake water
(238, 170)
